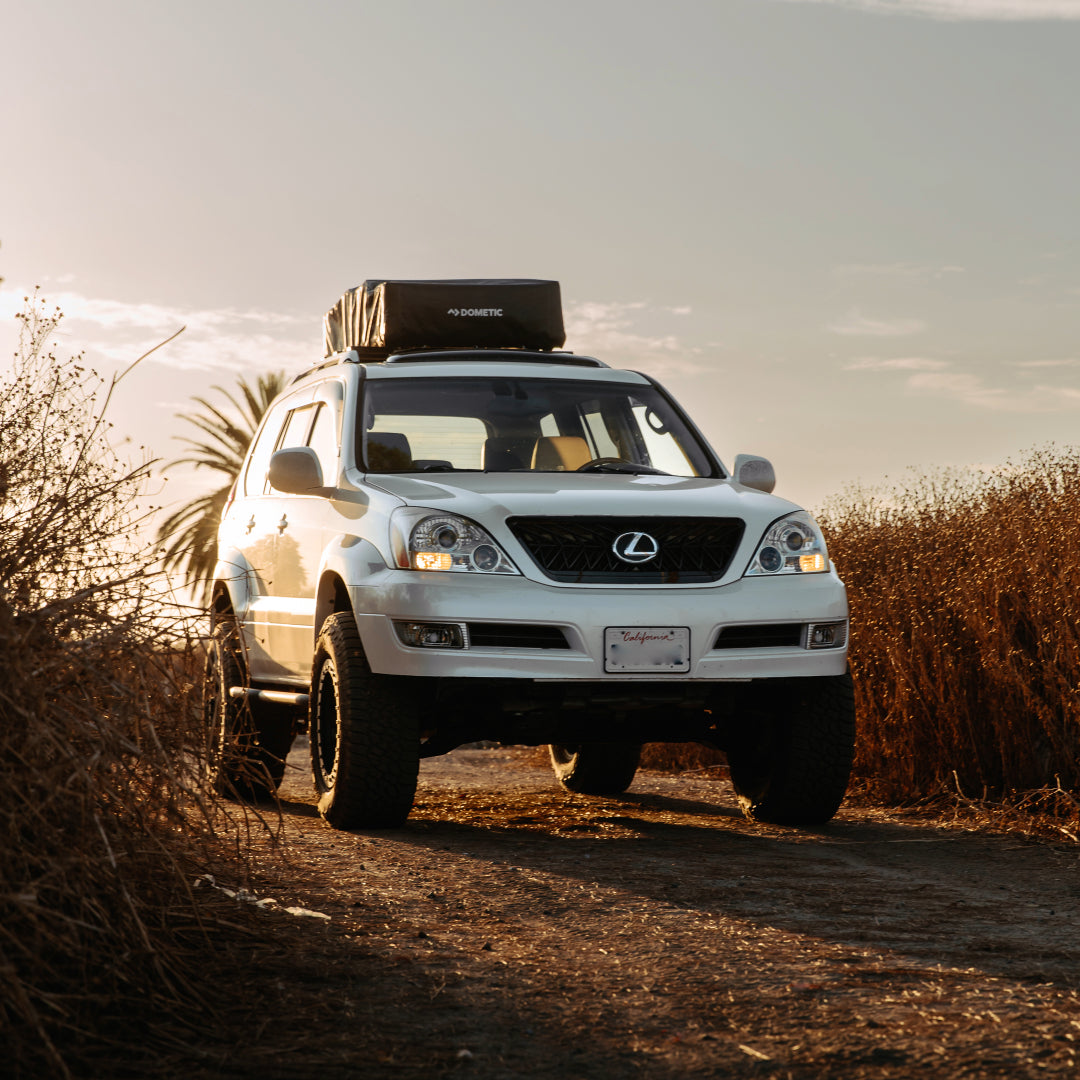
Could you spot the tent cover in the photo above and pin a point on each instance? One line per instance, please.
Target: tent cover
(499, 313)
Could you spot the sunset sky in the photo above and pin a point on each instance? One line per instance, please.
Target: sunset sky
(844, 233)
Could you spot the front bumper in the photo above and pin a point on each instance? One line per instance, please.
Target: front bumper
(582, 614)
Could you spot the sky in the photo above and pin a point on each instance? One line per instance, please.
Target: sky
(843, 233)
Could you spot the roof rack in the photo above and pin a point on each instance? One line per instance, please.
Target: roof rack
(469, 355)
(521, 356)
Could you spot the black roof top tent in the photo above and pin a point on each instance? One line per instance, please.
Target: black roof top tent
(381, 317)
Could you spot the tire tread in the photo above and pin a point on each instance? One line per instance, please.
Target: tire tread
(600, 768)
(379, 745)
(805, 781)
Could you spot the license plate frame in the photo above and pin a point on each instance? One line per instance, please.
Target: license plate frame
(647, 650)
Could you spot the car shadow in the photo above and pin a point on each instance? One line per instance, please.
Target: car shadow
(932, 896)
(925, 895)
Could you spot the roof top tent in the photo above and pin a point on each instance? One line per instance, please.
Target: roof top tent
(381, 317)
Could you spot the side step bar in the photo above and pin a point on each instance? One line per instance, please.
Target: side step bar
(278, 697)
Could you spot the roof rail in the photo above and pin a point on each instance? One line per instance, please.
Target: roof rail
(346, 356)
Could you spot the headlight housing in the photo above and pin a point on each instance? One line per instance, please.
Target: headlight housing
(424, 539)
(792, 545)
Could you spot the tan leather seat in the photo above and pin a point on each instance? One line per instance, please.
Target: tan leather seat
(560, 453)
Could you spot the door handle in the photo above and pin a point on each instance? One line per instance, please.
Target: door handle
(283, 524)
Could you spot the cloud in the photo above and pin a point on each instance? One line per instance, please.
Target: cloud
(221, 339)
(613, 333)
(961, 386)
(855, 324)
(896, 363)
(972, 390)
(1048, 363)
(897, 269)
(928, 377)
(963, 10)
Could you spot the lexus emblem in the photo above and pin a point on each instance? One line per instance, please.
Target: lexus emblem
(635, 547)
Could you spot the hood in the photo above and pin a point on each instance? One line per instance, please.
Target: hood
(488, 496)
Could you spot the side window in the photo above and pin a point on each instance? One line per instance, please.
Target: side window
(296, 428)
(297, 425)
(259, 462)
(324, 442)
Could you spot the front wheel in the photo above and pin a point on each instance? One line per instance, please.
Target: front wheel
(595, 768)
(364, 732)
(793, 767)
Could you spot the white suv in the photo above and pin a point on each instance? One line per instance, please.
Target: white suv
(430, 547)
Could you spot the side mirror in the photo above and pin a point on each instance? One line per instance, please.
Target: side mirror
(753, 472)
(296, 471)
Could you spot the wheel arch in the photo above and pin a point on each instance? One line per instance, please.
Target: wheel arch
(221, 603)
(331, 597)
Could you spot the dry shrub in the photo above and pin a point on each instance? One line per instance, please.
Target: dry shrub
(98, 815)
(965, 644)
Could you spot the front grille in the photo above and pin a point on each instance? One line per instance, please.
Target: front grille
(516, 636)
(760, 636)
(579, 549)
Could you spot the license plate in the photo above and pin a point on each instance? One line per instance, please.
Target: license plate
(646, 649)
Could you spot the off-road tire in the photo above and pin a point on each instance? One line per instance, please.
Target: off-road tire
(595, 768)
(365, 734)
(792, 765)
(248, 741)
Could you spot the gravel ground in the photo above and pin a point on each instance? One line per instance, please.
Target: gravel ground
(514, 930)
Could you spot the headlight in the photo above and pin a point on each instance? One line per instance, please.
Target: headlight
(792, 545)
(423, 539)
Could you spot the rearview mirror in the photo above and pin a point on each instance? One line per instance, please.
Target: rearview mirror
(296, 471)
(755, 472)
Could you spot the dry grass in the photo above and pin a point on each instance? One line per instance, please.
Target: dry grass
(102, 820)
(684, 758)
(966, 648)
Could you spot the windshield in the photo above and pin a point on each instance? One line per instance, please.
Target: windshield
(501, 424)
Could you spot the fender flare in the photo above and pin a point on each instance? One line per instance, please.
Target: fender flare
(234, 585)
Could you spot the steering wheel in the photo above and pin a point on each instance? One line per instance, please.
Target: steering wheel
(600, 462)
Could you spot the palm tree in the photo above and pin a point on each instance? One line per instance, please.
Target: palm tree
(190, 534)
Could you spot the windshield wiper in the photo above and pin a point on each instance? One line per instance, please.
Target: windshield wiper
(444, 468)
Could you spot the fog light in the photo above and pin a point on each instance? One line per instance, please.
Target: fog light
(432, 635)
(826, 635)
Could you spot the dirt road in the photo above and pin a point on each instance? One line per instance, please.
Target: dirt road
(513, 930)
